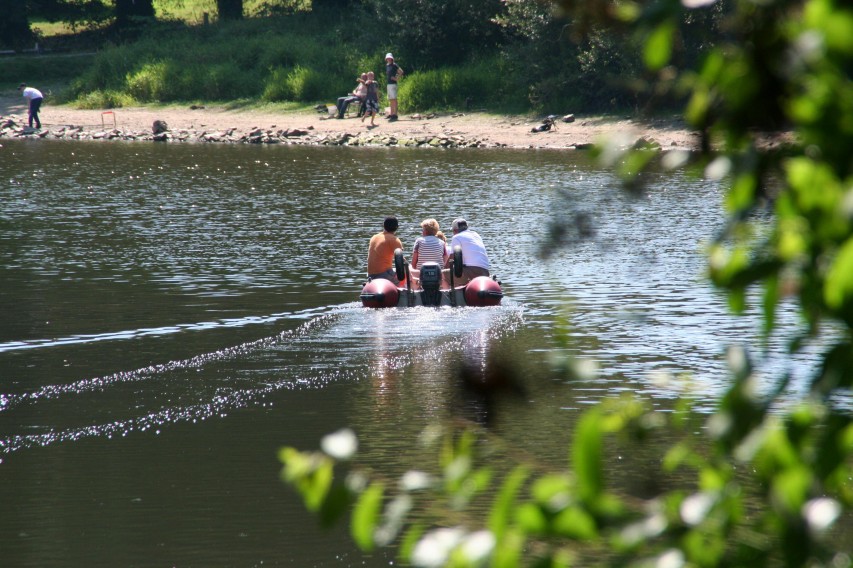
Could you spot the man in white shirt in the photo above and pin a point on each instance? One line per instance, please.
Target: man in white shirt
(475, 260)
(35, 98)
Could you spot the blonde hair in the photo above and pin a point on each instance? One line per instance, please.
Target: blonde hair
(430, 226)
(441, 236)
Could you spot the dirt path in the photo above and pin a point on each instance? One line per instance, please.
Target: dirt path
(489, 130)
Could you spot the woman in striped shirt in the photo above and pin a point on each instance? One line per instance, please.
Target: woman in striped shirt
(428, 247)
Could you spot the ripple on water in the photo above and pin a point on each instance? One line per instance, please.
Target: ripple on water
(344, 345)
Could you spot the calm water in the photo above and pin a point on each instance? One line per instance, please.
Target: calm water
(172, 315)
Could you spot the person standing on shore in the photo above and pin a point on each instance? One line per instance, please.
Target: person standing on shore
(35, 98)
(371, 98)
(393, 72)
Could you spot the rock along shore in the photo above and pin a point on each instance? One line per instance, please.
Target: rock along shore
(448, 130)
(10, 128)
(15, 127)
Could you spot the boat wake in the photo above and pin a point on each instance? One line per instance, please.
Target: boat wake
(348, 343)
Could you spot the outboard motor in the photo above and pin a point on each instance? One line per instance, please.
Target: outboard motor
(431, 284)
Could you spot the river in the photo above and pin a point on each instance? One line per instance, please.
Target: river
(174, 314)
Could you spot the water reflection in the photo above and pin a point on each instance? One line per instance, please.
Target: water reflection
(483, 379)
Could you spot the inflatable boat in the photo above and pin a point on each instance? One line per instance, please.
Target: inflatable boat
(433, 287)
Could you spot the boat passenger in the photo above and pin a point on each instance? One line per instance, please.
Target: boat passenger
(447, 252)
(428, 247)
(475, 259)
(380, 252)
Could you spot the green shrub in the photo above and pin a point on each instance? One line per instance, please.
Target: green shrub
(287, 52)
(276, 86)
(168, 81)
(104, 99)
(306, 84)
(149, 83)
(450, 87)
(109, 69)
(478, 82)
(425, 90)
(225, 81)
(293, 60)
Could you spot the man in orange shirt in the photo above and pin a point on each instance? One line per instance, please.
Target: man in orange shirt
(380, 252)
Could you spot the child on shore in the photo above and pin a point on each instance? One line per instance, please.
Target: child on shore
(371, 101)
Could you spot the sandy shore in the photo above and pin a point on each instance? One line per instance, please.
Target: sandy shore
(213, 123)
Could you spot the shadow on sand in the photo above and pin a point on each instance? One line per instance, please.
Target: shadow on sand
(12, 104)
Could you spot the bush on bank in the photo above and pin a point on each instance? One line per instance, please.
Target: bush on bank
(195, 64)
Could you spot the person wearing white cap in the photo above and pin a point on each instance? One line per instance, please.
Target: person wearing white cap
(475, 260)
(393, 72)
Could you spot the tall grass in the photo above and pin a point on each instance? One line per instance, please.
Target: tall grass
(237, 62)
(43, 69)
(474, 85)
(312, 55)
(304, 58)
(105, 99)
(297, 58)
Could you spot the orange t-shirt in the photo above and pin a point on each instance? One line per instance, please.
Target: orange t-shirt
(380, 252)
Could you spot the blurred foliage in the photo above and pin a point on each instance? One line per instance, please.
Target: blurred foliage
(763, 494)
(768, 480)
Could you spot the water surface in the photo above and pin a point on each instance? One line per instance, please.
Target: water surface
(173, 314)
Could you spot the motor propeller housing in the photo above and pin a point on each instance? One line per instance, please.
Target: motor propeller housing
(431, 284)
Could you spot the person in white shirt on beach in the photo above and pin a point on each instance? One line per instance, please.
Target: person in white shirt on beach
(35, 98)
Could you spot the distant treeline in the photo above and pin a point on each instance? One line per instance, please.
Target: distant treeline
(511, 55)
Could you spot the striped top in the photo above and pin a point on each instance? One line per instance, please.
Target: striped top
(429, 249)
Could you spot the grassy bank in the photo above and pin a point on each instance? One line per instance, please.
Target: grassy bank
(297, 59)
(303, 58)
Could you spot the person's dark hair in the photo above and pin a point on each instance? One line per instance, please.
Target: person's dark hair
(391, 224)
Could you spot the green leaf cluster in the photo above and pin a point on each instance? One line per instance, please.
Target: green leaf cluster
(764, 493)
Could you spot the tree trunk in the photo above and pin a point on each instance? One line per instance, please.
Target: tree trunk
(129, 12)
(14, 25)
(230, 9)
